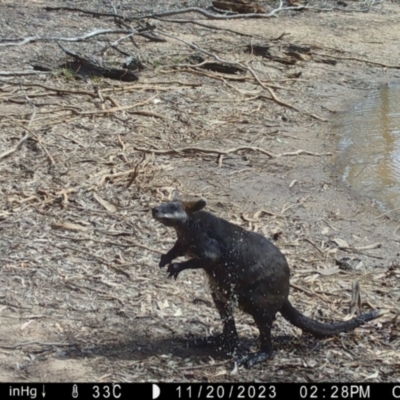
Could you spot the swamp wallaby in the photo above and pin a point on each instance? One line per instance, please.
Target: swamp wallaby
(244, 269)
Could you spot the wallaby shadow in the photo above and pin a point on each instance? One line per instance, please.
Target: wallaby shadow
(142, 347)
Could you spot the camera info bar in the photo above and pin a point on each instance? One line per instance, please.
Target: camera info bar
(199, 391)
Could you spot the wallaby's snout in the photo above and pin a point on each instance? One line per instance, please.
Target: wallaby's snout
(170, 214)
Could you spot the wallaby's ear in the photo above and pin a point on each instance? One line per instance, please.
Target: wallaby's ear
(193, 206)
(175, 195)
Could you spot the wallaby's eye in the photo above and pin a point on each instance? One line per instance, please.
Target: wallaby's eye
(174, 207)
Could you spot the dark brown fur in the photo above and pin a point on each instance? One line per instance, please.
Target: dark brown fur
(244, 269)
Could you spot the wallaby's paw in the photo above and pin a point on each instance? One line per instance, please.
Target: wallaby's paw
(164, 261)
(249, 360)
(174, 270)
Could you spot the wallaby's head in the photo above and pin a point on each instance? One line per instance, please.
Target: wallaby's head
(176, 212)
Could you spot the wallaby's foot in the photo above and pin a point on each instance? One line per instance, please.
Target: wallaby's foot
(221, 342)
(252, 359)
(174, 270)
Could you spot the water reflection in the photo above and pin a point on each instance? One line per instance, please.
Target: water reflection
(369, 146)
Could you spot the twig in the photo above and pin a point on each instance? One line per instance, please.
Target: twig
(38, 343)
(17, 73)
(217, 28)
(353, 250)
(116, 175)
(145, 32)
(55, 89)
(135, 172)
(314, 245)
(34, 137)
(214, 75)
(355, 297)
(142, 246)
(300, 152)
(301, 289)
(387, 212)
(150, 114)
(360, 60)
(8, 152)
(75, 9)
(194, 367)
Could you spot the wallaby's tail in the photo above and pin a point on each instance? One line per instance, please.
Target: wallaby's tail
(319, 329)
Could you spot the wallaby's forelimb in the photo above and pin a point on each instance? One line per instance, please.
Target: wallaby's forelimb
(177, 251)
(195, 263)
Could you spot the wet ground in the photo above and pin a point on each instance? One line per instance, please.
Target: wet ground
(369, 146)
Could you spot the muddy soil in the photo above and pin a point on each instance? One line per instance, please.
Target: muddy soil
(82, 161)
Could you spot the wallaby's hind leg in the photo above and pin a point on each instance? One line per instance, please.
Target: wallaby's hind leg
(229, 333)
(264, 324)
(227, 341)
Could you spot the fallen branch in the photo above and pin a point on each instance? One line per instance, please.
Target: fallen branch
(242, 16)
(92, 66)
(196, 10)
(229, 151)
(208, 14)
(89, 35)
(203, 150)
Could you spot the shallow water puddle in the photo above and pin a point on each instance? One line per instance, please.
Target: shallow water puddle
(369, 146)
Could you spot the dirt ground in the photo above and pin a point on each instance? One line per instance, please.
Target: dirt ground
(82, 161)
